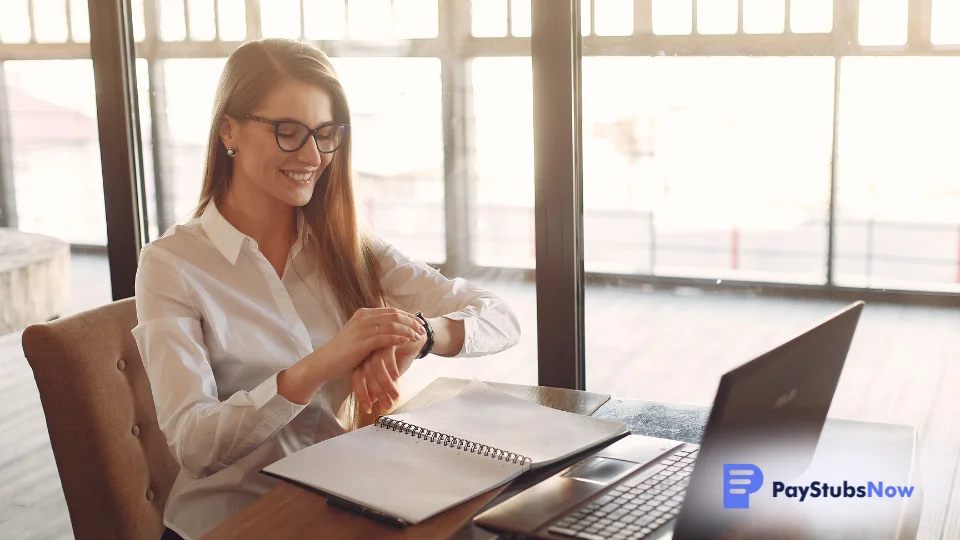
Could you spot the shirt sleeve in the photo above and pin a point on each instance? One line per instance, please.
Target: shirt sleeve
(489, 323)
(203, 433)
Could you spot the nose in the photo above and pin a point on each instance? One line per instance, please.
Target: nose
(309, 153)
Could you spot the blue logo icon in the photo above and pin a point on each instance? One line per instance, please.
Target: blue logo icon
(739, 481)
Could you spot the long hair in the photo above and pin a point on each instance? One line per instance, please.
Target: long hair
(347, 259)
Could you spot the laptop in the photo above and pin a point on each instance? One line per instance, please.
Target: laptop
(768, 413)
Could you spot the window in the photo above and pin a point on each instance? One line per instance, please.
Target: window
(424, 120)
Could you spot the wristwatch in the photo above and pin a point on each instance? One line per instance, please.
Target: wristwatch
(426, 326)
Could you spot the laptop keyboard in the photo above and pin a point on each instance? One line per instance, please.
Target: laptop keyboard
(633, 509)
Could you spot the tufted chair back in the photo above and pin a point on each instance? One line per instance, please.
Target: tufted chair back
(112, 457)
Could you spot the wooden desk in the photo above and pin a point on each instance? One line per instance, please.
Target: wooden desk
(288, 511)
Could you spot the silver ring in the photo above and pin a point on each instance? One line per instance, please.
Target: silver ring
(378, 328)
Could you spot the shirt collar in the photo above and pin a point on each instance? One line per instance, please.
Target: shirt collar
(229, 240)
(222, 233)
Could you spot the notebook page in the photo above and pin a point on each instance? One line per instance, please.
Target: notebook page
(484, 415)
(394, 473)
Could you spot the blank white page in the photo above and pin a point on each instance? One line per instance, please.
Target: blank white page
(394, 472)
(484, 415)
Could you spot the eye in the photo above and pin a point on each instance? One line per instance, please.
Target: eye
(289, 130)
(327, 132)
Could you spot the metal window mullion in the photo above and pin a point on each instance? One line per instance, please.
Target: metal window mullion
(694, 27)
(303, 19)
(32, 16)
(786, 17)
(186, 21)
(846, 21)
(68, 10)
(159, 132)
(739, 16)
(8, 198)
(458, 136)
(556, 52)
(919, 17)
(112, 52)
(642, 17)
(253, 18)
(834, 168)
(160, 137)
(216, 19)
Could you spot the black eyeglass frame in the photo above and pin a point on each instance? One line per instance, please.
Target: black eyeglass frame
(344, 128)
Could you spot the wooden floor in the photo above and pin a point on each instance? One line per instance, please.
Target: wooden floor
(31, 499)
(904, 367)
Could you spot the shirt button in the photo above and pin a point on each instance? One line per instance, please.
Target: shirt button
(121, 364)
(135, 430)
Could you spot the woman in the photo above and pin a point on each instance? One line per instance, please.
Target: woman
(272, 320)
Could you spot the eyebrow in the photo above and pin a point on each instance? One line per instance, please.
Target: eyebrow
(289, 119)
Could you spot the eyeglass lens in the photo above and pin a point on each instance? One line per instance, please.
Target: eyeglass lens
(291, 136)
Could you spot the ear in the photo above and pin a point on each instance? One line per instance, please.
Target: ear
(229, 129)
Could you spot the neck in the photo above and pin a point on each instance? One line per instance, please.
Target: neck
(270, 222)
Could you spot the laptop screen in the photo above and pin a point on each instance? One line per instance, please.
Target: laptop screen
(766, 421)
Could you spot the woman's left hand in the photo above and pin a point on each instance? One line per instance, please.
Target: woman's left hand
(375, 379)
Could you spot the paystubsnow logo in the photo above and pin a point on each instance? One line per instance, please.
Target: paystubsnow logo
(739, 481)
(742, 479)
(847, 490)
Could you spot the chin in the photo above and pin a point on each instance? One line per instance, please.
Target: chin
(300, 201)
(295, 198)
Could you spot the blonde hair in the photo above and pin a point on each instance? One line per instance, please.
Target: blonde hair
(347, 258)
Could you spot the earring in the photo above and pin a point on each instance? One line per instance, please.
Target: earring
(231, 152)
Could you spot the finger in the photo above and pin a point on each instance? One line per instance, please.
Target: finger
(360, 388)
(400, 317)
(390, 361)
(388, 383)
(379, 341)
(378, 393)
(397, 329)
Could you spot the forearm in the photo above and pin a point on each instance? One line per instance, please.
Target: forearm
(301, 381)
(448, 336)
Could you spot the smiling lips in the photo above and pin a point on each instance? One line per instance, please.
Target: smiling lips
(299, 176)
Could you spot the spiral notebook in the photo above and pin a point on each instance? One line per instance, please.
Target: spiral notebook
(412, 466)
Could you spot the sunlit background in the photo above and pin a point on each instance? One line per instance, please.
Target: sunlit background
(694, 166)
(714, 142)
(710, 167)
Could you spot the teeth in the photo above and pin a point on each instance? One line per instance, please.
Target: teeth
(301, 177)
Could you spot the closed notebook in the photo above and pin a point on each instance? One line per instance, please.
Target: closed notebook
(417, 464)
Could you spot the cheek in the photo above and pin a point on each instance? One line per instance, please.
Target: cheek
(271, 161)
(263, 166)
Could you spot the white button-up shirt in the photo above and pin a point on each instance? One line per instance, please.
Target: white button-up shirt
(216, 325)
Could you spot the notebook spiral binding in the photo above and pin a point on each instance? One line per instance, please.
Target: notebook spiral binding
(450, 441)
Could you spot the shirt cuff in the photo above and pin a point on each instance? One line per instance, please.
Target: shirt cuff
(272, 406)
(469, 332)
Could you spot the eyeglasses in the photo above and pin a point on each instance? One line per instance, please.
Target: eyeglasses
(291, 136)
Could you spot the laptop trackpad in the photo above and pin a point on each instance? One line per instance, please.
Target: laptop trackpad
(600, 470)
(639, 448)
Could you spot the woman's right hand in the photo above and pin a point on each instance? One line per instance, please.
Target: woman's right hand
(367, 330)
(361, 336)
